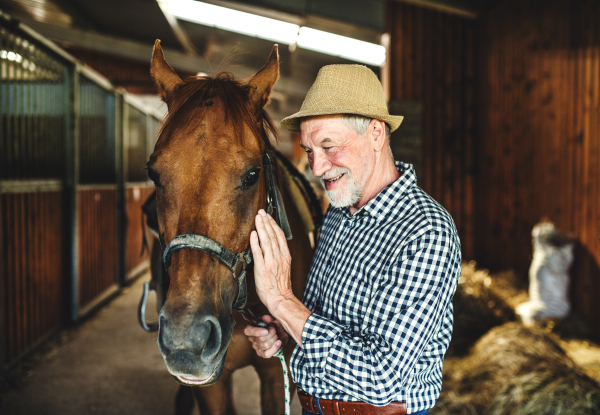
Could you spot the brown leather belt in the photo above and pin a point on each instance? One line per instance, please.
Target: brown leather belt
(335, 407)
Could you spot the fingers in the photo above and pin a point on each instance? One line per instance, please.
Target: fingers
(267, 237)
(253, 331)
(280, 235)
(272, 237)
(267, 354)
(257, 253)
(264, 341)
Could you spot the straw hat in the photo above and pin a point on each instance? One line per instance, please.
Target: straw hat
(344, 89)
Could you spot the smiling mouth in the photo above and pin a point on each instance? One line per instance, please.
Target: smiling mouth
(334, 179)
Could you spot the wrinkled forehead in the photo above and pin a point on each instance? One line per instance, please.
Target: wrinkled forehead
(323, 129)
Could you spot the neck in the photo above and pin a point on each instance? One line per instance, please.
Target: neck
(385, 172)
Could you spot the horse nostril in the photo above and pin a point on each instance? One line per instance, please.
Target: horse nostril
(161, 333)
(212, 329)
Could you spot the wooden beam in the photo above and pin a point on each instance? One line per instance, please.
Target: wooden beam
(447, 6)
(143, 52)
(179, 33)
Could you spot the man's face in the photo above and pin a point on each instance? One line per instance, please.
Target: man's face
(339, 157)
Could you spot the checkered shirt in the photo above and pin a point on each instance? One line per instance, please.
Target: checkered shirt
(380, 289)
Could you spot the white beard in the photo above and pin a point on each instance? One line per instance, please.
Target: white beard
(343, 196)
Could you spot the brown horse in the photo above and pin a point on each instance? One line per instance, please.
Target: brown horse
(210, 168)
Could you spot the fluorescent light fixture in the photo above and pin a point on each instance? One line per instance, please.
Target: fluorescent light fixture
(342, 46)
(234, 21)
(277, 31)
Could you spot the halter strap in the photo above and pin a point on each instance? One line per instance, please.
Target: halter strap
(192, 241)
(280, 215)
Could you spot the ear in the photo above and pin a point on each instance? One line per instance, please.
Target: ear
(377, 134)
(262, 83)
(165, 77)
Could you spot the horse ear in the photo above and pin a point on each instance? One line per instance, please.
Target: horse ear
(165, 77)
(262, 83)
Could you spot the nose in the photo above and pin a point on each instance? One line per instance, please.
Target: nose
(202, 338)
(319, 164)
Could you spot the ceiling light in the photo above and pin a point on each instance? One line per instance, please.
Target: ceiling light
(235, 21)
(277, 31)
(342, 46)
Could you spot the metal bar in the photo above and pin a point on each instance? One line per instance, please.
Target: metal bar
(20, 186)
(95, 77)
(180, 34)
(120, 180)
(71, 177)
(16, 26)
(141, 106)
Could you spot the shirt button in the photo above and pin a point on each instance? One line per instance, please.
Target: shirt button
(329, 262)
(348, 224)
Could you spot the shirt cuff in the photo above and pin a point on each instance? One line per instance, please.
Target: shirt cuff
(318, 336)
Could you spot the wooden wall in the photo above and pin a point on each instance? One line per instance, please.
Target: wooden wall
(97, 227)
(32, 290)
(511, 126)
(432, 63)
(538, 142)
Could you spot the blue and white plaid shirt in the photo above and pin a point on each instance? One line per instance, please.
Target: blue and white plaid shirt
(380, 289)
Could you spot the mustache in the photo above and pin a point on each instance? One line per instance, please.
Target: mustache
(335, 172)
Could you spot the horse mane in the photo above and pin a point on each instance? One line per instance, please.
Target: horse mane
(189, 102)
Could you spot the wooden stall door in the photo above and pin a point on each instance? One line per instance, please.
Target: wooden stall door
(31, 269)
(97, 230)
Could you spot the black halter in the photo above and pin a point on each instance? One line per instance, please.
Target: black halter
(236, 263)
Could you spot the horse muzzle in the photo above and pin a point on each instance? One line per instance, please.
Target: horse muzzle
(194, 348)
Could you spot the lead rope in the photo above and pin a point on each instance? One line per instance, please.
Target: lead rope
(279, 354)
(286, 380)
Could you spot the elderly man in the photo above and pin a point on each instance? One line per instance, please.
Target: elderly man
(376, 317)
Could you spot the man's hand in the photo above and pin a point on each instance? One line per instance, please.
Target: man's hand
(267, 341)
(272, 262)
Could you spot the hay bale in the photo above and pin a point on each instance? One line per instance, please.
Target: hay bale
(514, 369)
(481, 302)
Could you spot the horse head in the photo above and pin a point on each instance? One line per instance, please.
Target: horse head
(209, 173)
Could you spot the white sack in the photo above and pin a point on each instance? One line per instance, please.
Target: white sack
(548, 275)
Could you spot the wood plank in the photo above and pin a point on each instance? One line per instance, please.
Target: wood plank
(469, 109)
(427, 117)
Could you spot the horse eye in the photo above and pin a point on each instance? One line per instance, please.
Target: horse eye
(155, 177)
(251, 178)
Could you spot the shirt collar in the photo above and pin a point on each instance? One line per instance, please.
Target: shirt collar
(380, 206)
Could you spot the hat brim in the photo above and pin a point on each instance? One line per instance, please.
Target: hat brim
(292, 123)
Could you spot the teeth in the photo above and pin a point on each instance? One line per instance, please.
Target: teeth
(334, 179)
(192, 381)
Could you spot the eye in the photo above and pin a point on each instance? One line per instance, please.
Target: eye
(155, 177)
(251, 178)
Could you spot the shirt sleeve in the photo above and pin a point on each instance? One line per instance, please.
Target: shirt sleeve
(405, 311)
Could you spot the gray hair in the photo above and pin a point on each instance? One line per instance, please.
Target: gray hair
(360, 125)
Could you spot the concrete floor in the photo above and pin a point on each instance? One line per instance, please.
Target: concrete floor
(109, 365)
